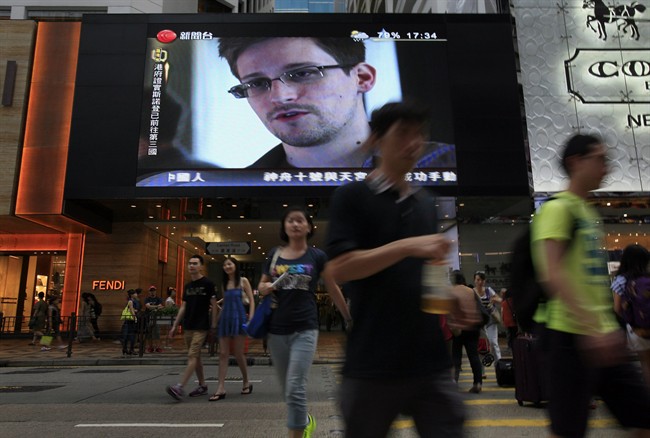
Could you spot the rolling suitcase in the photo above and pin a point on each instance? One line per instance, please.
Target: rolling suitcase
(529, 366)
(505, 372)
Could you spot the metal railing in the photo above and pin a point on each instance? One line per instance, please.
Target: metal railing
(146, 326)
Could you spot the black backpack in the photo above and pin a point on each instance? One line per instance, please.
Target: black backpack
(526, 292)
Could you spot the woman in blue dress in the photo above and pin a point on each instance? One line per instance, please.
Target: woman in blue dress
(236, 290)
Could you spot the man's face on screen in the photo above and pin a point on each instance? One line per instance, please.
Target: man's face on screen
(301, 114)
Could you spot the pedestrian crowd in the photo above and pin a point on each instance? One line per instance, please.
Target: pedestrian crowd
(403, 352)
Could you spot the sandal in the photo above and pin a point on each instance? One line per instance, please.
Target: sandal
(247, 389)
(217, 397)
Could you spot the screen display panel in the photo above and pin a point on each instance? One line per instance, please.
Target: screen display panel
(163, 108)
(235, 104)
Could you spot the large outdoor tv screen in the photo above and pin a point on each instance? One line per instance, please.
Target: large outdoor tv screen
(205, 104)
(251, 105)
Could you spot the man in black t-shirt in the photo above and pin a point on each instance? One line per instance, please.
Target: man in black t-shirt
(151, 304)
(381, 232)
(198, 296)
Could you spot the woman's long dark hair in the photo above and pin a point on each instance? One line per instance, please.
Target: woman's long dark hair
(225, 278)
(634, 261)
(283, 234)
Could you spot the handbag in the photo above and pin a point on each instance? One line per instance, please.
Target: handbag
(46, 340)
(127, 315)
(496, 315)
(258, 326)
(494, 311)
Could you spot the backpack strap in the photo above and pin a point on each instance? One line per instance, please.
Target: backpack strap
(276, 254)
(574, 221)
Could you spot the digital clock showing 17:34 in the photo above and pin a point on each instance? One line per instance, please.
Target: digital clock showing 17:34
(421, 35)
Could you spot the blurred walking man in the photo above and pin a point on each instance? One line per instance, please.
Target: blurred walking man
(586, 346)
(381, 232)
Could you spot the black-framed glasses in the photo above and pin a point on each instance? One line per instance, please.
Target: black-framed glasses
(298, 76)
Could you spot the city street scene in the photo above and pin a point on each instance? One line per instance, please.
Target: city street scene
(96, 393)
(324, 218)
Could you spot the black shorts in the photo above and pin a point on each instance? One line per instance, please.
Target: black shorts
(572, 383)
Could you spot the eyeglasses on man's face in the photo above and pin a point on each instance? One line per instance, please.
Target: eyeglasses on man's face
(299, 76)
(600, 157)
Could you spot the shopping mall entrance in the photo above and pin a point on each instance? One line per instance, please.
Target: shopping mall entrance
(22, 277)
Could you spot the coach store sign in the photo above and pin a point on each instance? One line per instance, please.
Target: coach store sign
(108, 284)
(585, 67)
(614, 77)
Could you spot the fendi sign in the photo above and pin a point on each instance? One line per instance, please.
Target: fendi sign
(108, 284)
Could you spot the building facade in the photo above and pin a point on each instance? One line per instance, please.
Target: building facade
(107, 244)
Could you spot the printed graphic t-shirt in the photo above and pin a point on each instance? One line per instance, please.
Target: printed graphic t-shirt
(297, 308)
(197, 295)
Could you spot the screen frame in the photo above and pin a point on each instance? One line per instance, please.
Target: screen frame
(488, 131)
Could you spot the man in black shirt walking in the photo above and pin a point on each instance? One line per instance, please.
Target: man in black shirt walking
(199, 294)
(381, 233)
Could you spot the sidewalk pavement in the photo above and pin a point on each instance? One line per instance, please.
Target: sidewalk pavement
(16, 352)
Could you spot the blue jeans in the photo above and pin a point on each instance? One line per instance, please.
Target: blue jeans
(128, 336)
(292, 356)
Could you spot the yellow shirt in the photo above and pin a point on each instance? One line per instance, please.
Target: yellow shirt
(569, 217)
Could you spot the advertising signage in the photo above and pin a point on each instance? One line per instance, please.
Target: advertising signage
(241, 102)
(586, 68)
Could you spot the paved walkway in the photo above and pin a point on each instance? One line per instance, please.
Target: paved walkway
(16, 352)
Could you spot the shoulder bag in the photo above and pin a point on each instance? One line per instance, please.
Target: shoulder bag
(126, 314)
(258, 326)
(494, 311)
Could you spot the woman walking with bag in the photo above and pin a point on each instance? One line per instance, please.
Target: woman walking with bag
(490, 301)
(231, 318)
(293, 330)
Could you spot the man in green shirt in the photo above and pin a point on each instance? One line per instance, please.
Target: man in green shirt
(586, 347)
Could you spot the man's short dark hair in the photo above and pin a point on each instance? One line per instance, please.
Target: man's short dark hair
(344, 50)
(383, 118)
(580, 145)
(196, 256)
(457, 278)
